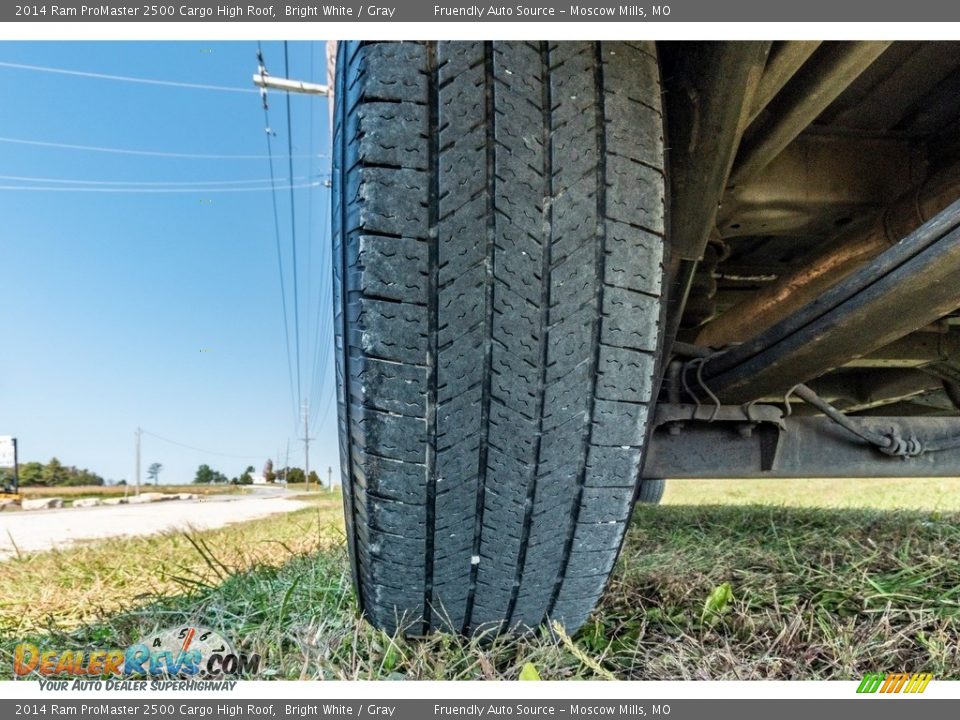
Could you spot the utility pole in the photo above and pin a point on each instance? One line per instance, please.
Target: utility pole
(16, 469)
(139, 431)
(329, 478)
(306, 443)
(264, 80)
(286, 465)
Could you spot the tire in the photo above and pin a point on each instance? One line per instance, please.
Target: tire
(498, 242)
(651, 491)
(953, 392)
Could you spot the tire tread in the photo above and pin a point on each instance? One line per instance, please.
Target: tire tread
(499, 225)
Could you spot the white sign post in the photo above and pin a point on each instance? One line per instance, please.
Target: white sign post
(8, 451)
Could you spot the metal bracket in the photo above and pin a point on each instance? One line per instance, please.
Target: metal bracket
(753, 414)
(766, 421)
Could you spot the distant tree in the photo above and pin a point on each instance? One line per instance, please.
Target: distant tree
(246, 478)
(54, 473)
(153, 472)
(31, 473)
(296, 475)
(82, 476)
(268, 474)
(204, 475)
(314, 478)
(121, 482)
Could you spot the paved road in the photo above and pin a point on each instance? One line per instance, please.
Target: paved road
(46, 529)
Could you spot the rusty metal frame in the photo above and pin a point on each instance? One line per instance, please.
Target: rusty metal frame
(907, 287)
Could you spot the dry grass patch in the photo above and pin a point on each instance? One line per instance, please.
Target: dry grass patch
(108, 491)
(941, 494)
(64, 589)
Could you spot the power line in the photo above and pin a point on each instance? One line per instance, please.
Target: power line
(311, 391)
(323, 313)
(200, 450)
(317, 415)
(151, 190)
(276, 231)
(324, 319)
(128, 151)
(146, 183)
(310, 204)
(293, 229)
(123, 78)
(329, 404)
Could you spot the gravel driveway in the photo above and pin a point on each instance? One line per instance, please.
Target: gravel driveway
(47, 529)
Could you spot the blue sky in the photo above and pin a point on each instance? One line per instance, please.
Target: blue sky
(161, 310)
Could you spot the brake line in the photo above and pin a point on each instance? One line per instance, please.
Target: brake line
(891, 443)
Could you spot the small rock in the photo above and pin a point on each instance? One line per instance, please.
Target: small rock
(141, 499)
(150, 497)
(42, 503)
(87, 502)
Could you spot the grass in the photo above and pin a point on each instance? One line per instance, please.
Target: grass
(879, 493)
(702, 592)
(62, 589)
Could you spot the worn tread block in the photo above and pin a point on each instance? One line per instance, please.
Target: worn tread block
(618, 423)
(634, 259)
(392, 134)
(393, 268)
(600, 505)
(612, 467)
(394, 72)
(394, 479)
(591, 536)
(391, 331)
(391, 436)
(630, 319)
(389, 386)
(393, 201)
(625, 374)
(396, 518)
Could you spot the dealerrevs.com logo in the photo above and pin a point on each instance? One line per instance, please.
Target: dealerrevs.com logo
(179, 653)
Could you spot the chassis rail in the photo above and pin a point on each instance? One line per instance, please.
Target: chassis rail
(759, 442)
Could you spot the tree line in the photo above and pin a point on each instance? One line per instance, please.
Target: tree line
(52, 474)
(56, 474)
(208, 476)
